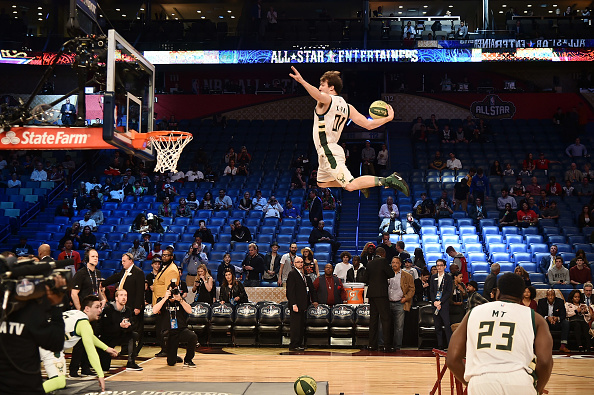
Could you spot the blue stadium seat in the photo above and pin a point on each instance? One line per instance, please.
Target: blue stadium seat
(473, 247)
(270, 230)
(264, 238)
(445, 222)
(585, 247)
(187, 237)
(122, 229)
(467, 229)
(237, 256)
(493, 239)
(464, 221)
(217, 222)
(256, 214)
(449, 239)
(496, 247)
(179, 229)
(556, 239)
(507, 266)
(529, 231)
(489, 230)
(539, 247)
(274, 222)
(169, 238)
(530, 267)
(184, 221)
(221, 247)
(567, 257)
(479, 276)
(537, 278)
(240, 247)
(302, 238)
(469, 239)
(284, 239)
(410, 238)
(487, 222)
(514, 239)
(430, 238)
(432, 257)
(576, 239)
(427, 222)
(447, 230)
(431, 247)
(532, 239)
(517, 247)
(476, 257)
(564, 248)
(522, 257)
(497, 257)
(428, 230)
(509, 230)
(114, 237)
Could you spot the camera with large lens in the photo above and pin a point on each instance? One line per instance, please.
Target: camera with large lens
(174, 291)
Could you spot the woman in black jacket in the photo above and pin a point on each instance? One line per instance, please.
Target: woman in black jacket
(232, 291)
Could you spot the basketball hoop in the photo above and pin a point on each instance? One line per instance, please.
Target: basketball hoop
(169, 146)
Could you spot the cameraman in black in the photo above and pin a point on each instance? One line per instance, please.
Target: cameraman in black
(272, 209)
(175, 311)
(38, 323)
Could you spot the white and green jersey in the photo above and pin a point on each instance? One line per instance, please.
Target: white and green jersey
(499, 339)
(71, 319)
(328, 127)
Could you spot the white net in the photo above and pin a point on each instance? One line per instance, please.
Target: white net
(169, 147)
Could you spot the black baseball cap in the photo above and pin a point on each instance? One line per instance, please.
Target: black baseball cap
(473, 284)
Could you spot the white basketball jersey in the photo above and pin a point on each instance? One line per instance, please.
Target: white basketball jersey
(499, 339)
(71, 318)
(327, 127)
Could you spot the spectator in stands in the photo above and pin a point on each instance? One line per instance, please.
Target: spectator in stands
(223, 202)
(443, 210)
(419, 259)
(446, 135)
(138, 190)
(558, 274)
(431, 123)
(232, 291)
(194, 175)
(585, 188)
(245, 203)
(225, 266)
(310, 264)
(315, 207)
(231, 155)
(328, 201)
(387, 245)
(313, 180)
(477, 211)
(165, 209)
(573, 174)
(244, 157)
(424, 207)
(368, 253)
(525, 172)
(441, 287)
(138, 252)
(548, 262)
(462, 31)
(239, 233)
(410, 225)
(342, 268)
(71, 233)
(401, 252)
(331, 291)
(87, 239)
(88, 221)
(533, 188)
(553, 310)
(204, 233)
(286, 264)
(64, 209)
(474, 298)
(496, 169)
(517, 190)
(580, 273)
(460, 195)
(140, 223)
(14, 181)
(453, 163)
(579, 254)
(388, 208)
(367, 159)
(154, 223)
(182, 209)
(576, 150)
(437, 163)
(127, 186)
(529, 296)
(459, 294)
(479, 187)
(461, 135)
(192, 202)
(422, 287)
(409, 268)
(532, 205)
(272, 208)
(150, 278)
(146, 243)
(491, 281)
(520, 271)
(55, 175)
(258, 202)
(22, 248)
(207, 203)
(253, 267)
(96, 215)
(290, 211)
(356, 274)
(459, 260)
(508, 170)
(38, 174)
(230, 170)
(588, 172)
(508, 216)
(320, 235)
(272, 262)
(390, 225)
(526, 216)
(409, 28)
(504, 200)
(416, 129)
(576, 311)
(168, 191)
(196, 256)
(383, 157)
(69, 253)
(297, 181)
(585, 219)
(568, 189)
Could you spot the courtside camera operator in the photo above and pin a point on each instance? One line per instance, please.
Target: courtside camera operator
(174, 311)
(31, 317)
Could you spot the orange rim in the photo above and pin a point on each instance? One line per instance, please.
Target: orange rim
(141, 140)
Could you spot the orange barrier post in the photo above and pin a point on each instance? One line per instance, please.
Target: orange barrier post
(454, 382)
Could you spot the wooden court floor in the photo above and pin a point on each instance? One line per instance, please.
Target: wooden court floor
(348, 372)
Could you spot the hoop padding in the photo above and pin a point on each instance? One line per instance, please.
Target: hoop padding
(169, 146)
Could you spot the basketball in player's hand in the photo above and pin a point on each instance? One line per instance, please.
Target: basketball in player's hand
(378, 109)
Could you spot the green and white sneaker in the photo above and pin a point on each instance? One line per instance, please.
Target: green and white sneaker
(397, 182)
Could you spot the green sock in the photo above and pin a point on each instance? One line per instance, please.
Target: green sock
(55, 383)
(379, 181)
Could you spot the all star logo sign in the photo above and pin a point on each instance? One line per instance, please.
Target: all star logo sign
(10, 138)
(492, 107)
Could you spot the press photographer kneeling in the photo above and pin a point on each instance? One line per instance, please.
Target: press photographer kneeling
(175, 310)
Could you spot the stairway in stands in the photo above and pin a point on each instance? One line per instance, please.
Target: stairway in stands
(368, 218)
(347, 226)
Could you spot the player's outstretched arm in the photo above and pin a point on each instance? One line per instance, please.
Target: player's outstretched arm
(312, 90)
(457, 351)
(369, 124)
(543, 346)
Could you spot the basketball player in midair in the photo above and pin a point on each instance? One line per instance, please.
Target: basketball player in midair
(330, 116)
(500, 341)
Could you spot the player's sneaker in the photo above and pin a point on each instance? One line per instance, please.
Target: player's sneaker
(189, 364)
(365, 192)
(133, 366)
(397, 182)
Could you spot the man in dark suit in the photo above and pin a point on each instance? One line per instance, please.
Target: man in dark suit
(491, 282)
(300, 294)
(68, 112)
(552, 309)
(440, 291)
(378, 271)
(316, 213)
(131, 278)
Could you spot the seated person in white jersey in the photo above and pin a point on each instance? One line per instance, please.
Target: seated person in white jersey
(330, 116)
(500, 341)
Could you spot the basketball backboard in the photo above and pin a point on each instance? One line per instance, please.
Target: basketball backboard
(128, 102)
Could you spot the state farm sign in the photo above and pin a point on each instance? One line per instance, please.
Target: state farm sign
(53, 138)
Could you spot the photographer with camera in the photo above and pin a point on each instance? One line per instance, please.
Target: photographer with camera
(115, 328)
(174, 311)
(37, 323)
(195, 256)
(77, 329)
(272, 209)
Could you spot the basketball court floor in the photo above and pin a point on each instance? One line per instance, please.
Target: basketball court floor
(244, 370)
